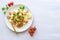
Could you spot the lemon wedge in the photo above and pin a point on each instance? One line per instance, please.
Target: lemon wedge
(28, 15)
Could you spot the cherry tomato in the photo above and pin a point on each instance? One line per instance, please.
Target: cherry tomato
(9, 5)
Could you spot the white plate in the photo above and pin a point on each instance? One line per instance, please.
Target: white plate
(25, 27)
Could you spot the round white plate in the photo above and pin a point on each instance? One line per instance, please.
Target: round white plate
(25, 27)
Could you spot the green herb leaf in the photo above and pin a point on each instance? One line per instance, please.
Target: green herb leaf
(3, 9)
(7, 7)
(15, 15)
(5, 12)
(21, 8)
(22, 18)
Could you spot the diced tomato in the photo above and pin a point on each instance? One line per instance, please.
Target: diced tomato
(34, 28)
(20, 12)
(10, 13)
(10, 4)
(32, 31)
(14, 23)
(31, 34)
(14, 12)
(17, 25)
(24, 12)
(26, 21)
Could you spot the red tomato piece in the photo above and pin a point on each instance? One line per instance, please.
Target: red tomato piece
(10, 4)
(10, 13)
(32, 31)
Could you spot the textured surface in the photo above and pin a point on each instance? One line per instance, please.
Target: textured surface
(46, 18)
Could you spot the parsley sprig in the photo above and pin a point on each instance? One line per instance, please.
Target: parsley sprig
(4, 9)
